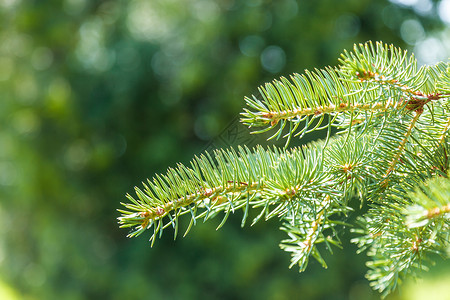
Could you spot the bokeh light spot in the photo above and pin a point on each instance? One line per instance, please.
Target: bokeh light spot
(273, 59)
(76, 155)
(8, 173)
(253, 3)
(16, 44)
(160, 64)
(41, 58)
(145, 22)
(25, 88)
(206, 127)
(35, 275)
(59, 92)
(91, 52)
(405, 2)
(430, 51)
(26, 121)
(74, 7)
(8, 4)
(206, 11)
(391, 16)
(444, 11)
(109, 12)
(251, 45)
(412, 31)
(6, 69)
(347, 25)
(287, 9)
(423, 7)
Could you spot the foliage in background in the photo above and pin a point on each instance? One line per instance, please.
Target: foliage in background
(95, 95)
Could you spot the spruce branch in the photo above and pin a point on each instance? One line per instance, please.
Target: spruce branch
(306, 99)
(308, 231)
(402, 145)
(382, 65)
(400, 233)
(226, 182)
(375, 79)
(391, 153)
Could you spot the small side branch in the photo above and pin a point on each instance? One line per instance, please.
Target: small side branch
(313, 231)
(402, 145)
(438, 211)
(304, 236)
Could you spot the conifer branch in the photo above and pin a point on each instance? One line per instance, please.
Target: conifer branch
(267, 178)
(402, 145)
(400, 239)
(383, 63)
(391, 152)
(372, 79)
(303, 239)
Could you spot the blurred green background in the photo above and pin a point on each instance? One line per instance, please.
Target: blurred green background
(96, 96)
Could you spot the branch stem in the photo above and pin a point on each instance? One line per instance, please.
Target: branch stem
(438, 211)
(274, 116)
(312, 232)
(403, 144)
(163, 210)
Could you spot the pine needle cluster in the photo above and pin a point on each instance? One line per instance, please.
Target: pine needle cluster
(391, 153)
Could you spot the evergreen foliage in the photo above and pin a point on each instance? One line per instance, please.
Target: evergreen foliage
(391, 153)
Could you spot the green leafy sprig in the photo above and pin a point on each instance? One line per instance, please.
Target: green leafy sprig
(271, 179)
(391, 152)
